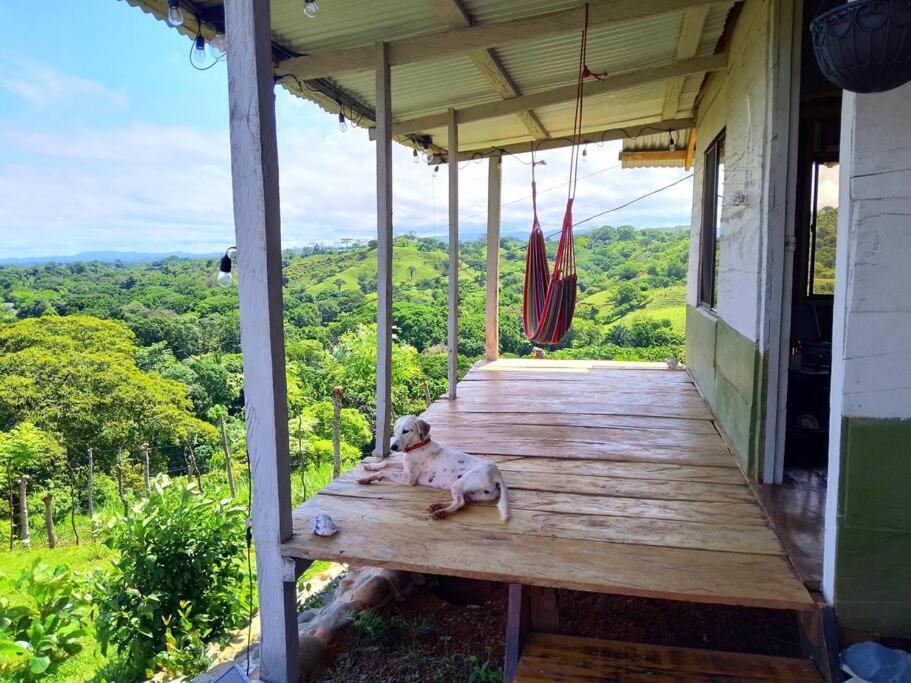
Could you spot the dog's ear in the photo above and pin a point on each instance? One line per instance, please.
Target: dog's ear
(423, 428)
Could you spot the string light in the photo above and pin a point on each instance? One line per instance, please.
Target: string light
(311, 8)
(175, 14)
(224, 278)
(426, 151)
(342, 124)
(671, 142)
(414, 156)
(218, 46)
(198, 55)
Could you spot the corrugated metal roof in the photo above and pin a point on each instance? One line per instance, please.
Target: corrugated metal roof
(537, 65)
(655, 142)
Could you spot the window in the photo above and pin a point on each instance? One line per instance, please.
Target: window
(823, 227)
(712, 194)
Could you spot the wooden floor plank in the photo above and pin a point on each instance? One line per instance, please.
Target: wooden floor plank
(623, 469)
(753, 538)
(383, 536)
(478, 414)
(710, 512)
(453, 434)
(554, 658)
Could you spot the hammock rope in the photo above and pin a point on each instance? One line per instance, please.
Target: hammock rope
(549, 298)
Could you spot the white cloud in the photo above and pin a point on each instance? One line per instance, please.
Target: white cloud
(43, 86)
(147, 187)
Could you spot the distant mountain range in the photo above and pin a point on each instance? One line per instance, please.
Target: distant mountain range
(104, 256)
(146, 257)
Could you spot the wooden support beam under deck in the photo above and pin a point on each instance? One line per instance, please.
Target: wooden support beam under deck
(453, 317)
(467, 40)
(492, 301)
(566, 93)
(383, 251)
(257, 221)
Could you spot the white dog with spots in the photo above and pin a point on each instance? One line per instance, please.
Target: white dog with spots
(426, 462)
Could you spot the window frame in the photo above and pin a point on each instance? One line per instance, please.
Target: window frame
(710, 218)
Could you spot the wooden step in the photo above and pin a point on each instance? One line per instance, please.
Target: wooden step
(550, 658)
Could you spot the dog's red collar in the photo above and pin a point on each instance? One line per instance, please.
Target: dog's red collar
(415, 446)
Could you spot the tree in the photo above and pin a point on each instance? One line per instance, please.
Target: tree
(76, 377)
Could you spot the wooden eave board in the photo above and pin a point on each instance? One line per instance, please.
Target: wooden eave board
(600, 500)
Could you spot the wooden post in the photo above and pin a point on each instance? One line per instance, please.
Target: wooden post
(383, 251)
(9, 484)
(144, 452)
(427, 396)
(24, 534)
(48, 499)
(227, 451)
(492, 305)
(452, 342)
(91, 509)
(336, 432)
(191, 456)
(74, 498)
(517, 617)
(120, 491)
(257, 223)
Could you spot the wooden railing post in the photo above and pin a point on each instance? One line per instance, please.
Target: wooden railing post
(257, 224)
(491, 312)
(383, 251)
(452, 337)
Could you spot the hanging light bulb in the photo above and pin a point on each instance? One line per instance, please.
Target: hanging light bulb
(426, 151)
(671, 142)
(175, 14)
(585, 152)
(218, 46)
(311, 8)
(342, 124)
(198, 55)
(414, 156)
(224, 278)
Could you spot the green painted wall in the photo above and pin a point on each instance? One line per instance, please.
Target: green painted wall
(873, 546)
(730, 372)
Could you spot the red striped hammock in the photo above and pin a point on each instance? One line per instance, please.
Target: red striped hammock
(549, 298)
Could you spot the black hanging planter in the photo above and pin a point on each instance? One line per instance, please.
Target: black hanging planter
(865, 46)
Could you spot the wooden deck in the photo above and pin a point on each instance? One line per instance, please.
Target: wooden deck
(619, 483)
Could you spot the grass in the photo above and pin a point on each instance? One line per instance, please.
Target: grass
(426, 265)
(91, 554)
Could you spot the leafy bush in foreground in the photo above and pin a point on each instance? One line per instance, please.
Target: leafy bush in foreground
(37, 635)
(178, 580)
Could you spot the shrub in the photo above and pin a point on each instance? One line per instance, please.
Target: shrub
(49, 627)
(178, 580)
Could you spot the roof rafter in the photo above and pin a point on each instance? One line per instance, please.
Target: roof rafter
(687, 46)
(566, 93)
(630, 130)
(464, 41)
(456, 16)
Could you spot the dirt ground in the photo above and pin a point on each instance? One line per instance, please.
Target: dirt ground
(453, 633)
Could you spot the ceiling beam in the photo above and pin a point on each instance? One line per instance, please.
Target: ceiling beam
(464, 41)
(687, 46)
(690, 149)
(566, 93)
(632, 130)
(456, 16)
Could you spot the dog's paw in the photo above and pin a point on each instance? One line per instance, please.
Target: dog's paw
(439, 514)
(372, 467)
(365, 480)
(433, 507)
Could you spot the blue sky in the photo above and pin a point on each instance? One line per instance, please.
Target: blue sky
(111, 140)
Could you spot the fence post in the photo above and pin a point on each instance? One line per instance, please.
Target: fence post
(227, 450)
(48, 499)
(336, 429)
(74, 498)
(144, 451)
(427, 396)
(24, 534)
(194, 468)
(120, 493)
(91, 491)
(9, 483)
